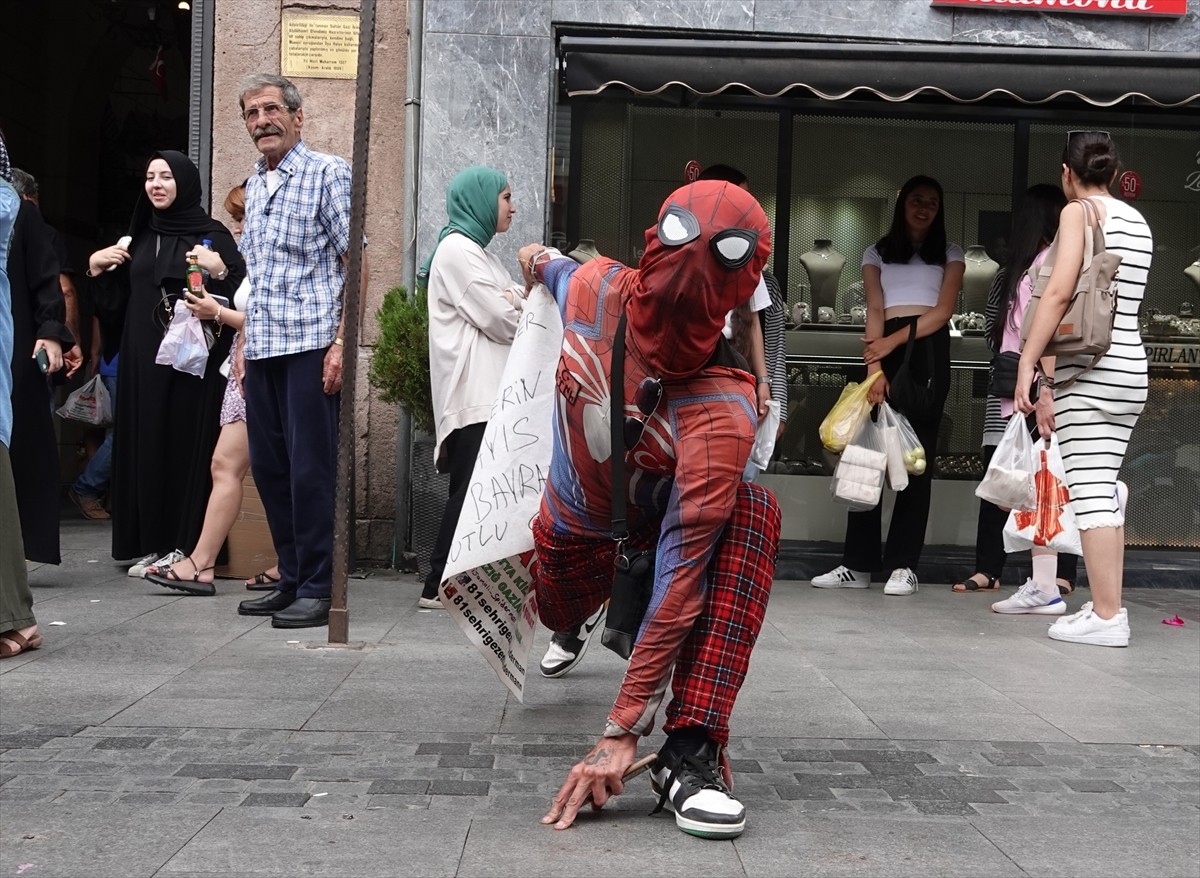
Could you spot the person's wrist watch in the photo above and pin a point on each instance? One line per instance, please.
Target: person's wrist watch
(764, 379)
(223, 273)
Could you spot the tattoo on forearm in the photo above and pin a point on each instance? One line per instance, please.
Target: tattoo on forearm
(595, 757)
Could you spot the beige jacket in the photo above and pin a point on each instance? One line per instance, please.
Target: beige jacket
(471, 327)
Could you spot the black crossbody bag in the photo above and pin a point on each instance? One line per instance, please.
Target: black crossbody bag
(633, 570)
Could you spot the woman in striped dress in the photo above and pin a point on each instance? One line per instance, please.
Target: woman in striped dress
(1095, 415)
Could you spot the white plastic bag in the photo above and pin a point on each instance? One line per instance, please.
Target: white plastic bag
(89, 404)
(897, 467)
(1008, 482)
(764, 436)
(184, 346)
(858, 479)
(1052, 522)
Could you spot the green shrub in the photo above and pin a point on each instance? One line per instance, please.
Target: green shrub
(400, 367)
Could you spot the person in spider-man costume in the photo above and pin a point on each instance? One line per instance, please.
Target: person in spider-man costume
(689, 425)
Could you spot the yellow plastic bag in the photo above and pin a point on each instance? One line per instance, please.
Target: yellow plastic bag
(847, 415)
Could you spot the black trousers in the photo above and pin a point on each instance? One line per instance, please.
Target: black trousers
(462, 447)
(864, 550)
(989, 538)
(292, 426)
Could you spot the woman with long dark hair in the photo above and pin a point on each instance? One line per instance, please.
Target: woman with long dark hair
(1035, 222)
(1096, 405)
(167, 422)
(912, 277)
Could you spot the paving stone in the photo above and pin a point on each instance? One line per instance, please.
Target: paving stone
(241, 771)
(458, 788)
(572, 750)
(213, 798)
(957, 809)
(459, 761)
(86, 797)
(148, 798)
(404, 802)
(745, 766)
(406, 787)
(1012, 758)
(276, 800)
(443, 749)
(1094, 786)
(125, 743)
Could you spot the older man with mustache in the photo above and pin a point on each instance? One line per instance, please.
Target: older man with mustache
(296, 238)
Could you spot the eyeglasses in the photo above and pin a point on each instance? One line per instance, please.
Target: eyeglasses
(269, 111)
(646, 398)
(1071, 134)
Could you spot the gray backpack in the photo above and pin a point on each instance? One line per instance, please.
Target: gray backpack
(1087, 325)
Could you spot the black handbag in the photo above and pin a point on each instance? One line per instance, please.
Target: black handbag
(914, 398)
(633, 574)
(1002, 374)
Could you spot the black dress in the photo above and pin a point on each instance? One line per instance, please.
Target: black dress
(167, 421)
(39, 311)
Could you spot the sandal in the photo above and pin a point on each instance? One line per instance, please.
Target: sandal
(972, 584)
(171, 579)
(1065, 587)
(14, 643)
(262, 582)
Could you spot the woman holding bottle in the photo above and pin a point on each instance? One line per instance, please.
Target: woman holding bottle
(167, 424)
(911, 278)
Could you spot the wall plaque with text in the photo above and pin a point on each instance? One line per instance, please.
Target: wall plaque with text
(318, 45)
(1097, 7)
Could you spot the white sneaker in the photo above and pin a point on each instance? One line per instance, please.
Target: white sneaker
(692, 786)
(567, 648)
(138, 570)
(1086, 627)
(902, 582)
(1030, 599)
(429, 603)
(842, 577)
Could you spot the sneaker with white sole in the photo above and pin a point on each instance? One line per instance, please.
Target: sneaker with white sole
(1030, 599)
(1086, 627)
(902, 582)
(692, 785)
(138, 570)
(434, 603)
(842, 577)
(568, 647)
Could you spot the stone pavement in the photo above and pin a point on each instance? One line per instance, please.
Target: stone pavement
(161, 735)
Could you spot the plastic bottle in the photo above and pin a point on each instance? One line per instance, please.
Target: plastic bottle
(204, 271)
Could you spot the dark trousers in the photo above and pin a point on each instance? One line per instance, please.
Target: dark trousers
(462, 447)
(910, 513)
(989, 538)
(292, 427)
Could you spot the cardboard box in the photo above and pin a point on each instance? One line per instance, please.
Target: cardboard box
(249, 543)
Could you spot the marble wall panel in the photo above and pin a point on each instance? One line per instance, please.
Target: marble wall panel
(890, 19)
(486, 101)
(1177, 35)
(529, 18)
(1051, 30)
(732, 15)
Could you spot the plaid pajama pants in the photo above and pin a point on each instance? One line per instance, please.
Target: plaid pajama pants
(573, 576)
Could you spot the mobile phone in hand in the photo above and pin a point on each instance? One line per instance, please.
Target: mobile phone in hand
(43, 360)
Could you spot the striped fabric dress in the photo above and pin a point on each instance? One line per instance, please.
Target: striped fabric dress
(1095, 416)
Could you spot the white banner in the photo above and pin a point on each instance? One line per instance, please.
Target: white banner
(487, 587)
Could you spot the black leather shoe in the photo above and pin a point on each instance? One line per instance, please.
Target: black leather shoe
(303, 613)
(270, 603)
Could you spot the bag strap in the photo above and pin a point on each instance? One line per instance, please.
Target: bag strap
(616, 418)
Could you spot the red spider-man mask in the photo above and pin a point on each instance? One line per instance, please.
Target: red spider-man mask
(703, 258)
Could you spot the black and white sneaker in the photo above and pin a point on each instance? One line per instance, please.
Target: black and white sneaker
(692, 785)
(568, 647)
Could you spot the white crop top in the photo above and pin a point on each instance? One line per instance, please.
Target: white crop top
(913, 282)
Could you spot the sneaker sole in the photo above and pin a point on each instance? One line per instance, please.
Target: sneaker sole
(699, 828)
(900, 594)
(1092, 639)
(569, 666)
(842, 585)
(430, 604)
(1052, 610)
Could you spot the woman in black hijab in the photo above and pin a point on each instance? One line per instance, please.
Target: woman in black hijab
(166, 420)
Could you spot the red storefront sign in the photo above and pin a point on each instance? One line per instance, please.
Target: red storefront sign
(1130, 185)
(1096, 7)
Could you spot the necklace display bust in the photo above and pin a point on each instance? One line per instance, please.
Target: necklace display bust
(977, 280)
(1193, 273)
(824, 266)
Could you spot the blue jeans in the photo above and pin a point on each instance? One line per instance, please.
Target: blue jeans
(92, 483)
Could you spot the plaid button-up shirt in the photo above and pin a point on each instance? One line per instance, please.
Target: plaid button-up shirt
(293, 243)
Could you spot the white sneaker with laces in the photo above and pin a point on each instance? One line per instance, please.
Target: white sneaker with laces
(902, 582)
(691, 785)
(1086, 627)
(1030, 599)
(138, 570)
(842, 577)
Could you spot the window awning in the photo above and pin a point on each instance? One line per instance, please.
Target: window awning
(965, 74)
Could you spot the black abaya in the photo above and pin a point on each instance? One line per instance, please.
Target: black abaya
(39, 311)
